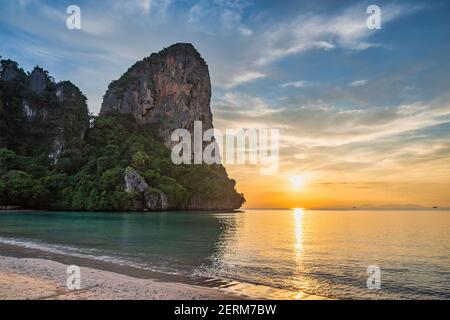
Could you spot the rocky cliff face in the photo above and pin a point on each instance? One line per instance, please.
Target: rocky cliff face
(40, 115)
(171, 89)
(154, 200)
(38, 81)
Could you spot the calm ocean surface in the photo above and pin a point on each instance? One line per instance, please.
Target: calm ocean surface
(319, 252)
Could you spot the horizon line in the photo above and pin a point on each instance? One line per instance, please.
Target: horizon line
(350, 208)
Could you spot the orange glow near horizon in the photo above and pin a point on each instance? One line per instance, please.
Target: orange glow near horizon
(323, 190)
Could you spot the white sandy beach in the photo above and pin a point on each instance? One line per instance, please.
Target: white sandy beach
(25, 278)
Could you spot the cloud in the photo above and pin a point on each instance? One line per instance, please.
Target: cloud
(332, 126)
(234, 104)
(346, 30)
(141, 6)
(358, 83)
(321, 125)
(219, 16)
(379, 144)
(24, 3)
(242, 78)
(146, 5)
(295, 84)
(245, 31)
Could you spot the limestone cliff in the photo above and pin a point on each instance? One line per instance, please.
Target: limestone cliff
(40, 115)
(171, 89)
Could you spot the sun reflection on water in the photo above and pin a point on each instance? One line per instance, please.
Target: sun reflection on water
(298, 224)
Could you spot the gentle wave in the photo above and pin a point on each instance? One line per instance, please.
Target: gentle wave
(85, 253)
(60, 249)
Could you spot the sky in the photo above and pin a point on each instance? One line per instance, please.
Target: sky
(364, 115)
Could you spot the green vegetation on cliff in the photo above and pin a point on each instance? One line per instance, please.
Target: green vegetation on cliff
(91, 175)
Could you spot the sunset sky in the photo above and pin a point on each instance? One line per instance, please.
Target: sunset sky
(364, 115)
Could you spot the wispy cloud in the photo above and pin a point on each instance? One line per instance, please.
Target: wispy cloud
(217, 16)
(308, 31)
(236, 104)
(295, 84)
(242, 78)
(358, 83)
(140, 6)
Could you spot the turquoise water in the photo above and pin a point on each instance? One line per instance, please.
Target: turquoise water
(319, 252)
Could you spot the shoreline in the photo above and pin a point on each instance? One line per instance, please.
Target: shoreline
(198, 211)
(35, 274)
(40, 279)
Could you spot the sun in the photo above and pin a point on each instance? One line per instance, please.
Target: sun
(297, 181)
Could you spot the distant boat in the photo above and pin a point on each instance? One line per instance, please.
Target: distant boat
(435, 207)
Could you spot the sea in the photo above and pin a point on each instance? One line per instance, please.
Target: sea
(273, 254)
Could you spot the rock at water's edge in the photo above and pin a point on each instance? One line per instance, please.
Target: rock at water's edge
(153, 199)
